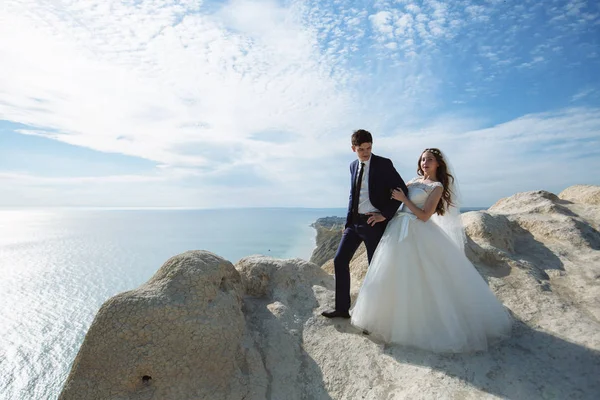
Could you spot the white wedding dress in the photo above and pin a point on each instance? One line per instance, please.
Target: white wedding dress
(422, 291)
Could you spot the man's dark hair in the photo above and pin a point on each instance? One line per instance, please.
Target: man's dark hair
(361, 136)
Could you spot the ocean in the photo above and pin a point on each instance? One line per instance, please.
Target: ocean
(58, 266)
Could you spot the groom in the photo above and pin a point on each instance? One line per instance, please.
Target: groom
(369, 210)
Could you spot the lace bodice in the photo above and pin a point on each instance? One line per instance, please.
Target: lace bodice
(418, 191)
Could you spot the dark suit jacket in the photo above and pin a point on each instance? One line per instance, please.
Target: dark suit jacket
(383, 178)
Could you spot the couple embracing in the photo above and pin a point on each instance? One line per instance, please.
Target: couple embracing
(420, 289)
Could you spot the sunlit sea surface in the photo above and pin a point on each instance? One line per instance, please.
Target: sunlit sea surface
(57, 267)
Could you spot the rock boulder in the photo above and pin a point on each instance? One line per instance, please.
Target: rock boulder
(176, 337)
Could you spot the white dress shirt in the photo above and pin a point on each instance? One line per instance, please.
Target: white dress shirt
(364, 204)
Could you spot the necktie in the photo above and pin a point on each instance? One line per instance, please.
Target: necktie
(356, 194)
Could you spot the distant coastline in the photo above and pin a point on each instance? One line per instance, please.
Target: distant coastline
(329, 232)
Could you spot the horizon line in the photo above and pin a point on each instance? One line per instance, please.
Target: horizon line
(134, 208)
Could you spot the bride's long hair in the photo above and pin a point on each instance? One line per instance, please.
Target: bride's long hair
(442, 174)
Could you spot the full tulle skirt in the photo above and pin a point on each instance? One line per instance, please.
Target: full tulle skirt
(422, 291)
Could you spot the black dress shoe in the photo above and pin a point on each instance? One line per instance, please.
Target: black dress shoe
(335, 314)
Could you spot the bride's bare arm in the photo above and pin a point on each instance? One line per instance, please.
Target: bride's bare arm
(430, 204)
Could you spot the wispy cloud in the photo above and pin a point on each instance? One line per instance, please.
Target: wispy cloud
(583, 93)
(549, 151)
(532, 63)
(33, 180)
(259, 94)
(178, 78)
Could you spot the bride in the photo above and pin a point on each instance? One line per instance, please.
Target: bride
(420, 289)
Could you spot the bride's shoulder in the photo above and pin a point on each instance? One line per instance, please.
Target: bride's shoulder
(431, 185)
(427, 185)
(416, 179)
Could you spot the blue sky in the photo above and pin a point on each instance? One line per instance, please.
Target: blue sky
(252, 103)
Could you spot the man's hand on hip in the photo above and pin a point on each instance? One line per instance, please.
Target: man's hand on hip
(375, 218)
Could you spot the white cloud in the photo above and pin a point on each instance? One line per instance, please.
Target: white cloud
(382, 21)
(26, 179)
(548, 151)
(583, 93)
(256, 90)
(404, 22)
(97, 79)
(532, 63)
(413, 8)
(478, 13)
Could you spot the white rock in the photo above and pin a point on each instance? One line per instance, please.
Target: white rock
(201, 330)
(176, 337)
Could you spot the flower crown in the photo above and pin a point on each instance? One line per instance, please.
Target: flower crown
(433, 151)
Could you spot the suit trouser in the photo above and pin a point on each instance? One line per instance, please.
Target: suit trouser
(352, 237)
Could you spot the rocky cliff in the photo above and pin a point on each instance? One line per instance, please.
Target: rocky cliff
(203, 328)
(329, 231)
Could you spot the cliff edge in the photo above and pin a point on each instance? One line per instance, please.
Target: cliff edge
(203, 328)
